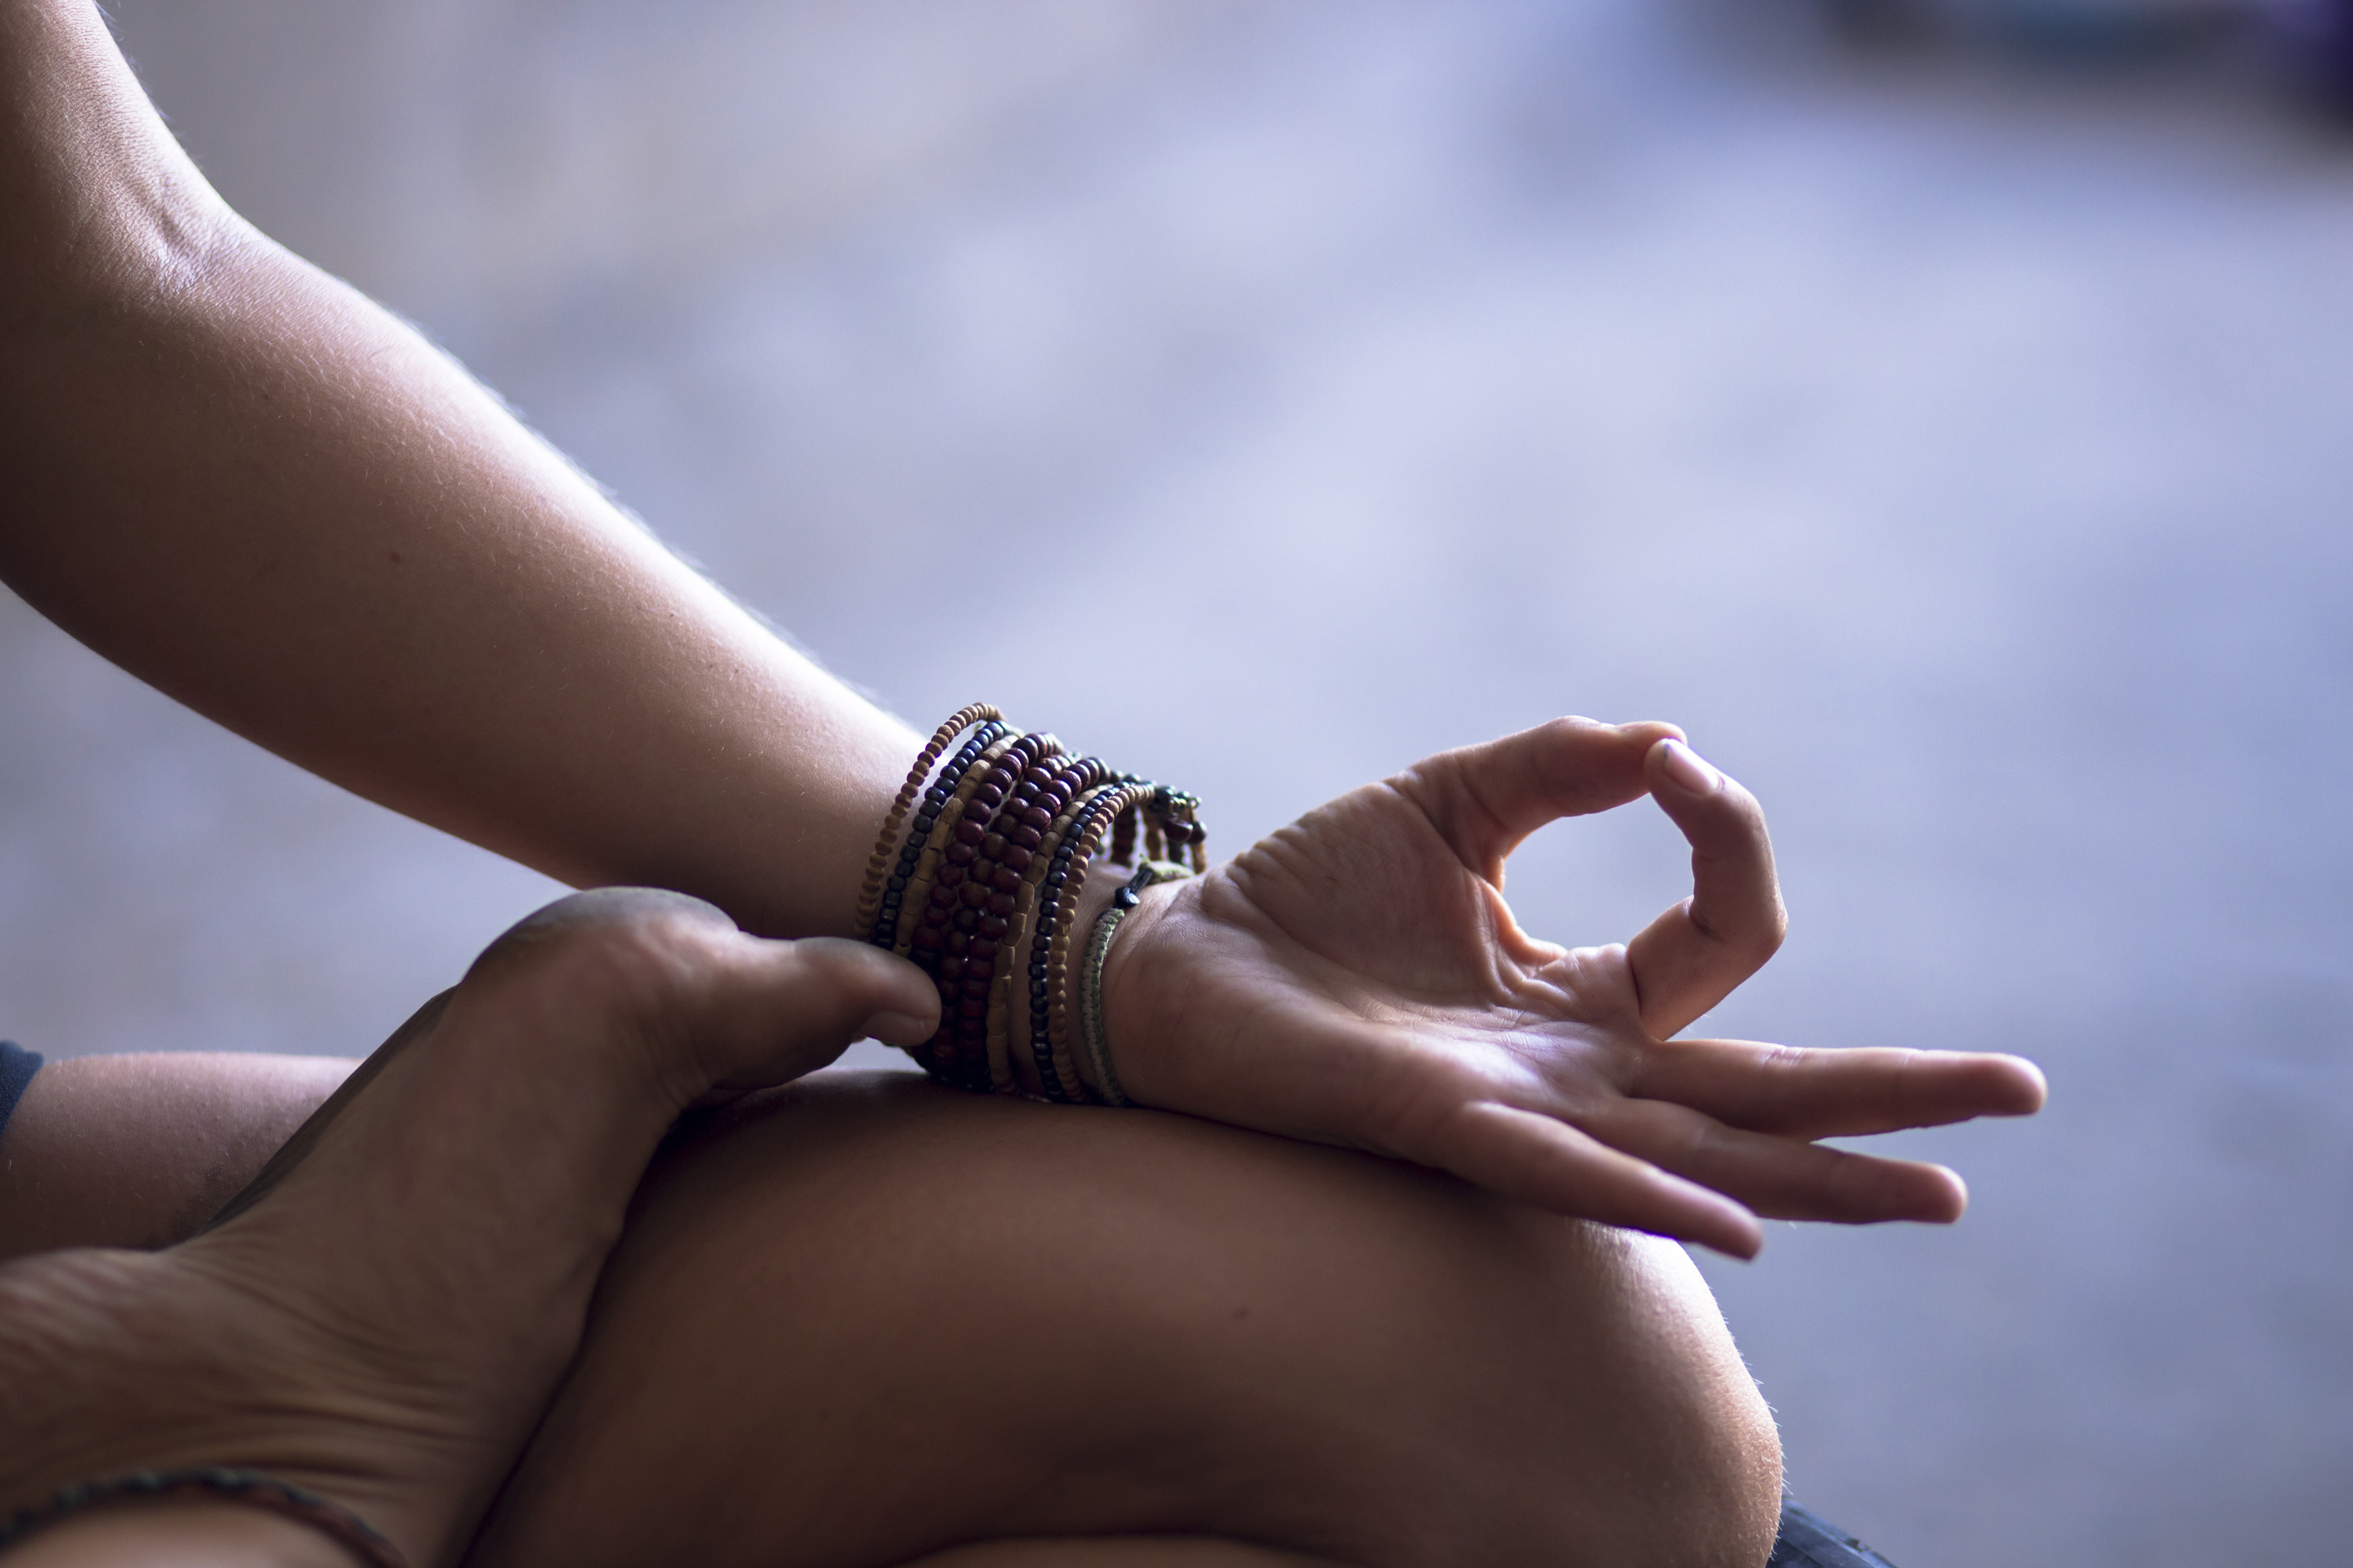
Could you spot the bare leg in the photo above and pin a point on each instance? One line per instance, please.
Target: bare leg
(871, 1322)
(141, 1150)
(1018, 1247)
(384, 1321)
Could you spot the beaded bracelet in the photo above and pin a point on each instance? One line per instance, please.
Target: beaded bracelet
(1048, 961)
(1067, 790)
(1054, 888)
(1085, 780)
(934, 896)
(1005, 798)
(1009, 851)
(915, 858)
(870, 896)
(251, 1487)
(985, 887)
(1091, 1015)
(942, 850)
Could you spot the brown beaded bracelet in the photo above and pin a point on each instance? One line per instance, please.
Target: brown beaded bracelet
(923, 881)
(870, 896)
(901, 893)
(981, 898)
(958, 903)
(1071, 779)
(1005, 854)
(930, 937)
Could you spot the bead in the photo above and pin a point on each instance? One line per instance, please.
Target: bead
(1000, 904)
(1037, 819)
(982, 948)
(959, 855)
(992, 846)
(1017, 858)
(973, 1010)
(970, 832)
(1025, 836)
(975, 895)
(967, 920)
(956, 941)
(989, 926)
(952, 967)
(1006, 880)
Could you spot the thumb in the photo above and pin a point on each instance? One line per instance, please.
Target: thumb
(774, 1011)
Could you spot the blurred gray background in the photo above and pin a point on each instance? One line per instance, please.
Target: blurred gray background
(1960, 453)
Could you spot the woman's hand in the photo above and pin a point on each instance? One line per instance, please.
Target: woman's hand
(1357, 979)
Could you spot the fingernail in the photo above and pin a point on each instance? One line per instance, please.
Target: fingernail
(1690, 770)
(896, 1029)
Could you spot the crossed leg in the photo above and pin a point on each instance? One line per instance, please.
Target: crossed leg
(865, 1321)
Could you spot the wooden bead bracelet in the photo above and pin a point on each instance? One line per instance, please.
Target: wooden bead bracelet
(985, 884)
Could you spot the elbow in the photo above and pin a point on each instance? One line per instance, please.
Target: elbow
(104, 208)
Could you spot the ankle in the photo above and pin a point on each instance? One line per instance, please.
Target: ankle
(178, 1533)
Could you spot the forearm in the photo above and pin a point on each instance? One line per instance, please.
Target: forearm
(260, 492)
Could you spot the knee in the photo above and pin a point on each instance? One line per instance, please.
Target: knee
(1551, 1392)
(1378, 1364)
(1676, 1454)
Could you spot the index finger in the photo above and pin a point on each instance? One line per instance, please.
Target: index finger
(1693, 956)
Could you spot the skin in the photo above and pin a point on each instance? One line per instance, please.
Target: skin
(1091, 1324)
(383, 1316)
(328, 538)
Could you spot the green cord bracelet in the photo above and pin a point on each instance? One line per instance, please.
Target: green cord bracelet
(1091, 1018)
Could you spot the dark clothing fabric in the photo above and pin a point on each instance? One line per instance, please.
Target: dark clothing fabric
(1809, 1540)
(17, 1067)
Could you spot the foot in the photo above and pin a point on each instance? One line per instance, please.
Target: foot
(382, 1316)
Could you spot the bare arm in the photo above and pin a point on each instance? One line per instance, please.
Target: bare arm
(262, 493)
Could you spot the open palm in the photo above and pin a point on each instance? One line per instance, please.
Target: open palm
(1356, 978)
